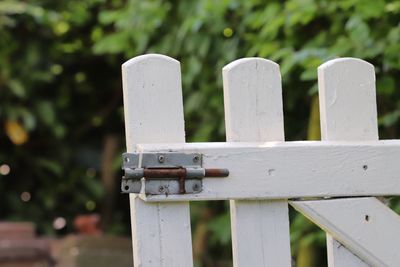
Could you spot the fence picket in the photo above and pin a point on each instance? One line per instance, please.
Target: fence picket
(253, 112)
(154, 114)
(339, 255)
(348, 112)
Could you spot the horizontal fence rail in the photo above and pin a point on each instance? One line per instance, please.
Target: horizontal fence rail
(281, 170)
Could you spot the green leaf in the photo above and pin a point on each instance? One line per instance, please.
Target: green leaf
(51, 165)
(17, 88)
(386, 85)
(113, 43)
(220, 229)
(358, 30)
(390, 118)
(45, 111)
(371, 8)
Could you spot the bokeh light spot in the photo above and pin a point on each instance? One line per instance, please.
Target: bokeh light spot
(90, 205)
(97, 121)
(59, 223)
(61, 27)
(56, 69)
(5, 169)
(25, 196)
(228, 32)
(91, 172)
(80, 77)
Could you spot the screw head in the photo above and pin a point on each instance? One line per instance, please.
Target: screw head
(196, 158)
(161, 158)
(196, 187)
(161, 189)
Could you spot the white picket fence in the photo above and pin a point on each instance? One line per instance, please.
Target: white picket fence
(333, 182)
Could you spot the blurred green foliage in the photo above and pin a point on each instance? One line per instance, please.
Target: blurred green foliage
(61, 91)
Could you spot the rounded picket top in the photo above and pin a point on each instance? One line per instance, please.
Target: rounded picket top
(347, 100)
(249, 62)
(153, 99)
(349, 63)
(253, 100)
(143, 59)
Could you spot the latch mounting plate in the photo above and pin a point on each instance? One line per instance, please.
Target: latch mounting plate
(166, 173)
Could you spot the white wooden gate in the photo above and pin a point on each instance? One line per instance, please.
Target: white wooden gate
(332, 182)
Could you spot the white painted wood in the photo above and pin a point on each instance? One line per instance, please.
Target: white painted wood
(281, 170)
(348, 112)
(253, 112)
(339, 255)
(347, 100)
(154, 113)
(342, 166)
(253, 101)
(364, 225)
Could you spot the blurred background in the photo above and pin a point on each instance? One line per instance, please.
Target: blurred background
(61, 113)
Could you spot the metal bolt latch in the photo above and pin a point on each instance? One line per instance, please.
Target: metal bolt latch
(166, 173)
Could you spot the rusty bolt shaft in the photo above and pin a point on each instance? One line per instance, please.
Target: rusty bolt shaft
(181, 172)
(216, 172)
(164, 173)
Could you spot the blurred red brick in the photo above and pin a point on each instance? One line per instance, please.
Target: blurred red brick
(93, 251)
(20, 248)
(20, 230)
(88, 224)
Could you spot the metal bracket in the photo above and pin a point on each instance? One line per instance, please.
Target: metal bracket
(165, 173)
